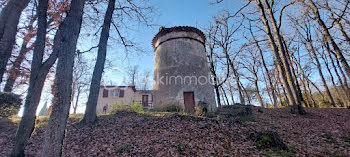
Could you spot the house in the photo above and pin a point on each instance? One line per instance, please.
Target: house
(109, 95)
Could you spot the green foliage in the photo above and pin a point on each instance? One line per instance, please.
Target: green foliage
(137, 107)
(132, 107)
(123, 148)
(180, 147)
(264, 142)
(282, 103)
(268, 140)
(9, 104)
(198, 111)
(329, 138)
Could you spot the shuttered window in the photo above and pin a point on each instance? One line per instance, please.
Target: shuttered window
(105, 93)
(121, 93)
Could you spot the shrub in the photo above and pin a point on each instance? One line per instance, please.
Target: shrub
(132, 107)
(136, 107)
(9, 104)
(119, 106)
(268, 139)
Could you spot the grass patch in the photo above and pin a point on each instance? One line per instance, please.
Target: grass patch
(329, 138)
(123, 148)
(157, 114)
(246, 118)
(278, 152)
(346, 139)
(268, 140)
(180, 147)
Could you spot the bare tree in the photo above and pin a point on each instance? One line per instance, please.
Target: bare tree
(315, 10)
(38, 74)
(15, 70)
(280, 55)
(64, 45)
(9, 18)
(80, 80)
(260, 50)
(90, 112)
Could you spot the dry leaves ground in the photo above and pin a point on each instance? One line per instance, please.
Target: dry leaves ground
(323, 132)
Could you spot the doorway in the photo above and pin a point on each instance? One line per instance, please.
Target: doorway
(189, 102)
(144, 100)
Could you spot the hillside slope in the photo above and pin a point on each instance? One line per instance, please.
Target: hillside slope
(321, 132)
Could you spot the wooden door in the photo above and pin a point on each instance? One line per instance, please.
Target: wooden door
(189, 102)
(144, 100)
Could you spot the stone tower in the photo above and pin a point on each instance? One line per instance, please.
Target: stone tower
(181, 73)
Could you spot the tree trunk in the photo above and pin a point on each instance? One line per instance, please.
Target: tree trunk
(236, 76)
(338, 96)
(225, 96)
(9, 18)
(330, 39)
(238, 82)
(344, 85)
(274, 98)
(90, 112)
(14, 71)
(313, 54)
(296, 106)
(345, 35)
(67, 36)
(36, 83)
(314, 104)
(77, 100)
(258, 93)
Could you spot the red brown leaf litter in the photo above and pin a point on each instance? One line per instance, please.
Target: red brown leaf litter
(322, 132)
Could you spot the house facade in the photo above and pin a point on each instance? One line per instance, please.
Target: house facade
(109, 95)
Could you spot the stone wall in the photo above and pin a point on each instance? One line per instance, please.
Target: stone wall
(181, 66)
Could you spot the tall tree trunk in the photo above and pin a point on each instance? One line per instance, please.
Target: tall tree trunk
(90, 112)
(337, 93)
(231, 94)
(237, 78)
(313, 54)
(9, 18)
(314, 104)
(77, 100)
(345, 35)
(225, 96)
(238, 82)
(258, 92)
(67, 33)
(344, 86)
(274, 98)
(293, 71)
(14, 71)
(296, 106)
(328, 36)
(38, 74)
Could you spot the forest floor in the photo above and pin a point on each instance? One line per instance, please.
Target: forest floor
(265, 132)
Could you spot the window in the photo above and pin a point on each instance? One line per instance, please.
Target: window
(121, 93)
(115, 93)
(105, 93)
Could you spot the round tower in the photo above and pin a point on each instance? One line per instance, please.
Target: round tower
(181, 73)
